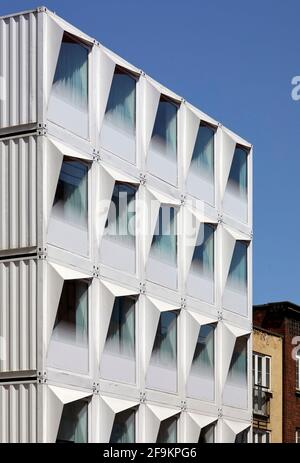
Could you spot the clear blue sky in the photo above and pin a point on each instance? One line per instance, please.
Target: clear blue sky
(234, 60)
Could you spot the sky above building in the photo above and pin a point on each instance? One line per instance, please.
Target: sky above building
(235, 61)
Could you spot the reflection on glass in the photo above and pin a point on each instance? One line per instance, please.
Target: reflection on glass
(164, 135)
(120, 109)
(242, 437)
(120, 224)
(120, 338)
(73, 426)
(237, 374)
(164, 241)
(123, 431)
(167, 431)
(71, 197)
(203, 257)
(203, 361)
(203, 155)
(70, 81)
(207, 434)
(237, 276)
(165, 345)
(69, 341)
(237, 180)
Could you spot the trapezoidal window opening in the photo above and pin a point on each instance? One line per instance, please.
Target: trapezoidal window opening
(73, 428)
(118, 132)
(68, 227)
(119, 357)
(69, 98)
(69, 344)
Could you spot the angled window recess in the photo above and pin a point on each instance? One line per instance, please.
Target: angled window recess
(118, 133)
(207, 434)
(73, 426)
(162, 371)
(235, 202)
(162, 156)
(200, 280)
(162, 262)
(123, 431)
(235, 295)
(118, 246)
(68, 104)
(201, 380)
(167, 433)
(235, 390)
(118, 358)
(242, 437)
(68, 349)
(68, 227)
(201, 177)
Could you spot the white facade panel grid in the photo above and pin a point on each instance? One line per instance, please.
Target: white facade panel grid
(30, 168)
(32, 412)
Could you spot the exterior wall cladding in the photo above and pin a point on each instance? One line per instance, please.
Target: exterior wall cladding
(284, 318)
(108, 337)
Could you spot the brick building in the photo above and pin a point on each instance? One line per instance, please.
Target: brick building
(284, 318)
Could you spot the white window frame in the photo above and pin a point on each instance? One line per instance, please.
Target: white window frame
(297, 436)
(264, 433)
(257, 355)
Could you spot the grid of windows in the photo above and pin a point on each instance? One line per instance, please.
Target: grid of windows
(100, 276)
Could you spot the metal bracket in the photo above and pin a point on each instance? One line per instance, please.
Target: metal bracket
(95, 42)
(220, 412)
(96, 271)
(41, 9)
(220, 218)
(42, 128)
(142, 287)
(142, 178)
(182, 199)
(96, 388)
(142, 397)
(42, 253)
(96, 155)
(220, 315)
(42, 377)
(183, 303)
(183, 405)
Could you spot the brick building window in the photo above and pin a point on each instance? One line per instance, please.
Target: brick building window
(262, 370)
(261, 436)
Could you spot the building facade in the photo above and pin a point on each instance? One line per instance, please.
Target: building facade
(283, 318)
(267, 386)
(117, 324)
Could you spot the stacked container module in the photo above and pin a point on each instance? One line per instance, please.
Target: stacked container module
(108, 336)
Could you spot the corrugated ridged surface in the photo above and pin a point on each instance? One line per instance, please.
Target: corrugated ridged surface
(18, 187)
(18, 70)
(18, 406)
(18, 300)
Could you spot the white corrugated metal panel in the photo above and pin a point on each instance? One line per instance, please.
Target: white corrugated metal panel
(18, 70)
(18, 193)
(18, 417)
(18, 302)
